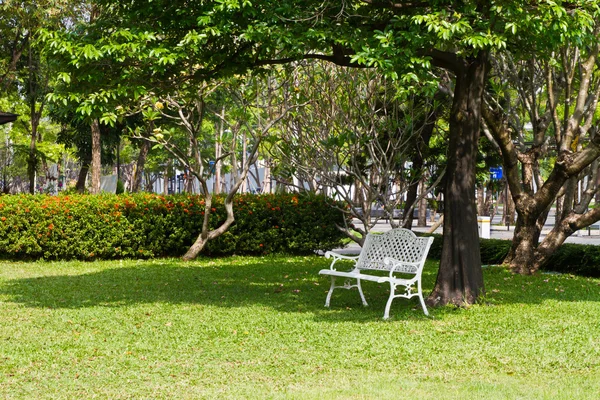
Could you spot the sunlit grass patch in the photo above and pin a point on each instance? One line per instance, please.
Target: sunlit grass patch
(253, 327)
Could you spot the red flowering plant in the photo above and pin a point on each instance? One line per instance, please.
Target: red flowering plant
(148, 225)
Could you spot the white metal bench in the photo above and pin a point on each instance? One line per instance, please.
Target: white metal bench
(398, 252)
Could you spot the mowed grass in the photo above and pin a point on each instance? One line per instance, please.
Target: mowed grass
(244, 327)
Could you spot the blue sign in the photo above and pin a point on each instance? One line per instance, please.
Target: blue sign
(496, 173)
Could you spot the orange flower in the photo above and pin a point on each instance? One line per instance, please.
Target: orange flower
(3, 218)
(51, 226)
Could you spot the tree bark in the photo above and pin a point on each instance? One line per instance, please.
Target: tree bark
(411, 196)
(570, 224)
(460, 277)
(166, 180)
(509, 208)
(488, 202)
(80, 185)
(480, 200)
(422, 213)
(206, 235)
(32, 160)
(218, 153)
(136, 180)
(96, 158)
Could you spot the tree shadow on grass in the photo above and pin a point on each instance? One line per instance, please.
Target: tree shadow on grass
(504, 287)
(284, 284)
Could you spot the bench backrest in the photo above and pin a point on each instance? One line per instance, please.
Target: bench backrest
(401, 244)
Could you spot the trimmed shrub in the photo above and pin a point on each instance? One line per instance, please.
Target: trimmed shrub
(146, 225)
(577, 259)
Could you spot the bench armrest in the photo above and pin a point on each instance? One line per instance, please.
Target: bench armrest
(401, 266)
(336, 257)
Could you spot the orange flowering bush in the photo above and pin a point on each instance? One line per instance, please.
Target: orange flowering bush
(148, 225)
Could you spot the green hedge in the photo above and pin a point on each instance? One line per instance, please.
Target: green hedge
(146, 225)
(578, 259)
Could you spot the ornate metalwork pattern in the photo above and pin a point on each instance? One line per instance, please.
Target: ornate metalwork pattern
(396, 251)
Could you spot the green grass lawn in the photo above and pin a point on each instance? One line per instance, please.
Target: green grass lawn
(246, 327)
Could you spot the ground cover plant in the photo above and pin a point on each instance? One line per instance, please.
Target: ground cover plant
(255, 327)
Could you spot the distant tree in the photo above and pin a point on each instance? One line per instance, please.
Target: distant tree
(354, 140)
(544, 107)
(248, 119)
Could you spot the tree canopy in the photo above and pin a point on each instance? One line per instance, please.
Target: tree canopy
(133, 48)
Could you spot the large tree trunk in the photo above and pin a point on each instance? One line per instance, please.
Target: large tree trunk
(96, 158)
(525, 240)
(460, 277)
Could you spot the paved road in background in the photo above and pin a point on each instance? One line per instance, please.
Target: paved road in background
(497, 232)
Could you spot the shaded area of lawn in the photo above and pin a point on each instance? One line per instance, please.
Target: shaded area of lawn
(244, 327)
(283, 283)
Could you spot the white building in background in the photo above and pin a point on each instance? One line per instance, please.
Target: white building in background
(259, 180)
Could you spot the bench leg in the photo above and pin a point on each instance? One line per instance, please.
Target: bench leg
(423, 304)
(386, 313)
(362, 296)
(422, 301)
(347, 286)
(328, 299)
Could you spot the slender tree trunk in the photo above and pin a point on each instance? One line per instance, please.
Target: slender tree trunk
(436, 225)
(244, 186)
(460, 277)
(488, 202)
(509, 207)
(136, 180)
(421, 147)
(422, 216)
(480, 200)
(569, 224)
(96, 158)
(35, 120)
(83, 172)
(166, 180)
(559, 210)
(207, 234)
(32, 160)
(218, 153)
(411, 196)
(265, 185)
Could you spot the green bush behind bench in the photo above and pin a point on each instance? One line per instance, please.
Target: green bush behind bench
(88, 227)
(577, 259)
